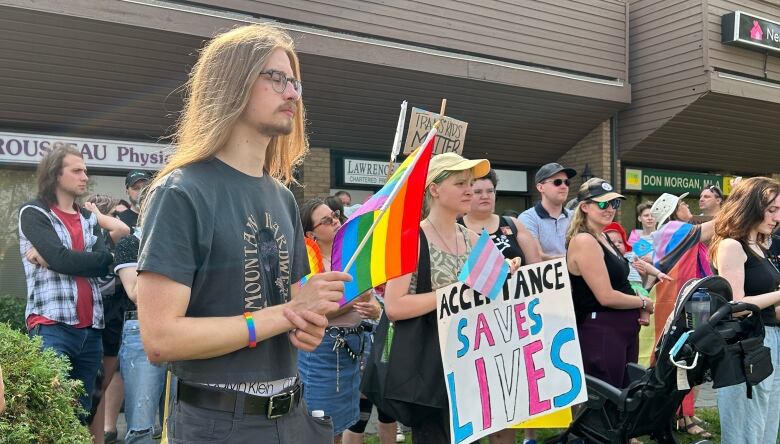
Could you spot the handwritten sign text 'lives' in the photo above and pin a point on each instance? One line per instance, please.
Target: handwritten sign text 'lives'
(513, 358)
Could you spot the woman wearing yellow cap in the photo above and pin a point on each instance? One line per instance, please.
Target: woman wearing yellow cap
(444, 247)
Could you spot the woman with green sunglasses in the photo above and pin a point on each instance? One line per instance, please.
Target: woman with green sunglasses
(606, 307)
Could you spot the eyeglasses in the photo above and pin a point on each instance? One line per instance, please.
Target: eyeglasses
(329, 220)
(558, 182)
(614, 203)
(279, 81)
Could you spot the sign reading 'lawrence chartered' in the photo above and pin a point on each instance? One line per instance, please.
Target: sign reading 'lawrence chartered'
(21, 148)
(739, 28)
(451, 136)
(365, 172)
(675, 182)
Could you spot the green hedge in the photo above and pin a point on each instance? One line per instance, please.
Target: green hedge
(12, 311)
(41, 400)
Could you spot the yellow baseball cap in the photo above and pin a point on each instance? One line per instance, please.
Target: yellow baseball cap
(455, 162)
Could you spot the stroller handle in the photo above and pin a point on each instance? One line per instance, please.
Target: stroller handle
(733, 307)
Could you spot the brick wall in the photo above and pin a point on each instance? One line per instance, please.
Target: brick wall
(592, 150)
(316, 174)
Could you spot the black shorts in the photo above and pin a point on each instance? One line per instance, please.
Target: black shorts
(113, 313)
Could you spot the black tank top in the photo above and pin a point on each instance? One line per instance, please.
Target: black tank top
(505, 238)
(761, 277)
(585, 301)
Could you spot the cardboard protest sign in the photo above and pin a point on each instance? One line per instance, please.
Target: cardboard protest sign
(512, 358)
(451, 136)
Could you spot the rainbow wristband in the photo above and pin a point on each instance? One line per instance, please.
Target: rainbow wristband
(250, 325)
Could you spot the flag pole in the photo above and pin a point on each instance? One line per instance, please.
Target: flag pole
(386, 205)
(399, 129)
(441, 112)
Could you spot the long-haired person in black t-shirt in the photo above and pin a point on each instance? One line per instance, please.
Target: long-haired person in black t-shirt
(738, 251)
(606, 307)
(222, 256)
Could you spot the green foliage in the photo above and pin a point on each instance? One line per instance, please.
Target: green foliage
(41, 400)
(12, 311)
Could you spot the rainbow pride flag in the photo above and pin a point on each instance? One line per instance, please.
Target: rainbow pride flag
(390, 249)
(315, 259)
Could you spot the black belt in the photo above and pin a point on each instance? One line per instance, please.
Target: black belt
(225, 401)
(340, 332)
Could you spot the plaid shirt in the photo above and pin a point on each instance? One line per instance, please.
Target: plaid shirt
(51, 294)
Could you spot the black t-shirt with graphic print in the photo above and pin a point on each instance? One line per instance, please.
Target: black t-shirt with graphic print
(237, 242)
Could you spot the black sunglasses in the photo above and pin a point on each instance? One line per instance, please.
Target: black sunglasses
(614, 203)
(329, 220)
(558, 182)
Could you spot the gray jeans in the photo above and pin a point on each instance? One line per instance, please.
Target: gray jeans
(752, 421)
(193, 425)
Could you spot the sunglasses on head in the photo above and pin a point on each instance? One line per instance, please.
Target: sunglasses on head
(715, 190)
(614, 203)
(558, 182)
(329, 220)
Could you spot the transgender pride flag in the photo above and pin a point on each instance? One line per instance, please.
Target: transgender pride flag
(485, 270)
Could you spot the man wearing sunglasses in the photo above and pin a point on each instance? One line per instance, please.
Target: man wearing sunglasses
(710, 201)
(548, 220)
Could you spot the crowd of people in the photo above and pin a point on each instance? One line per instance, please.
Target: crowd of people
(200, 272)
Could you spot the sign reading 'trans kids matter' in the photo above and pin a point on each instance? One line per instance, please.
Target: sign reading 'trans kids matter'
(512, 358)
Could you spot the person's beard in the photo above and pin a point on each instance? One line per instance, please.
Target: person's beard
(273, 130)
(278, 129)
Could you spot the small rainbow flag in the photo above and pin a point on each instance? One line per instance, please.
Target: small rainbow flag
(387, 226)
(315, 259)
(485, 269)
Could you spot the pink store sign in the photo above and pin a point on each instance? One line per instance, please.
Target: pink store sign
(20, 148)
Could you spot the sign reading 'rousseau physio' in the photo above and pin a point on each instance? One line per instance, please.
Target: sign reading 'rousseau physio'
(739, 28)
(512, 358)
(675, 182)
(22, 148)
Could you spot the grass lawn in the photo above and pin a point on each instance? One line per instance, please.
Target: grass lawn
(709, 414)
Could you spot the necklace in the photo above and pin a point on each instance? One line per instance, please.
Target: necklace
(480, 224)
(456, 254)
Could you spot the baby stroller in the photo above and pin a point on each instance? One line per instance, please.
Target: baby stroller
(717, 346)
